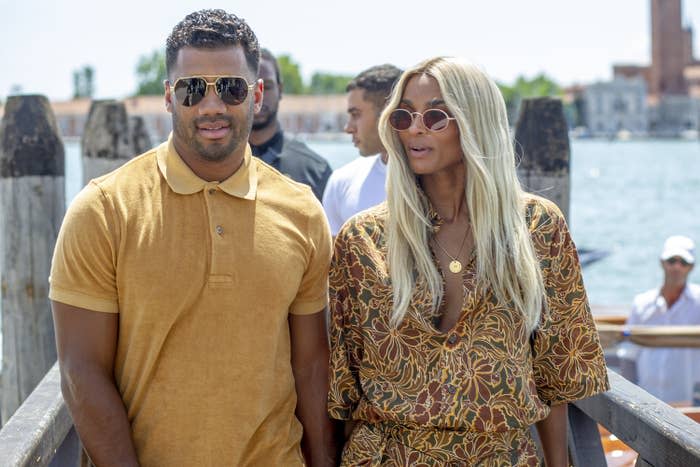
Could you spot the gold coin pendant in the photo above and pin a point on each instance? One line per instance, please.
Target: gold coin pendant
(455, 266)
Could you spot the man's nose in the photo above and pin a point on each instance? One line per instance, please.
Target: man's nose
(211, 103)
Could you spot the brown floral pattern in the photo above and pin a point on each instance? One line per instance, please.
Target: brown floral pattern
(468, 396)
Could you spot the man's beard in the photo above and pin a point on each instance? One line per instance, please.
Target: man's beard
(214, 151)
(269, 120)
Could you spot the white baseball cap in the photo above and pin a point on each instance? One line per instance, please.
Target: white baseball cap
(679, 245)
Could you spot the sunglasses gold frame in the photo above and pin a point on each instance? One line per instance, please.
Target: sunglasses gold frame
(210, 80)
(420, 114)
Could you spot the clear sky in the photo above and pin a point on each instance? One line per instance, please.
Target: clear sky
(43, 41)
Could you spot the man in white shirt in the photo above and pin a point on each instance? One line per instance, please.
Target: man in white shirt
(670, 373)
(361, 183)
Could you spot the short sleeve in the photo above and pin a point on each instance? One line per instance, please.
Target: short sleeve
(312, 295)
(83, 269)
(568, 359)
(346, 346)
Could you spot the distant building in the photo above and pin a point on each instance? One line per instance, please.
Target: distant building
(670, 49)
(673, 78)
(616, 106)
(674, 116)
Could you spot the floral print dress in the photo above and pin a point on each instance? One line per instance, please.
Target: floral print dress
(467, 396)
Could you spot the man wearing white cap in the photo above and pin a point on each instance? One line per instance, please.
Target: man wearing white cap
(670, 373)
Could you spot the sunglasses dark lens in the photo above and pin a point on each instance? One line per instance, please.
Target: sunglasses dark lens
(400, 119)
(190, 91)
(435, 120)
(232, 91)
(673, 261)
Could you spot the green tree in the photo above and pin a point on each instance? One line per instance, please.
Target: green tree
(523, 88)
(328, 83)
(291, 75)
(150, 73)
(83, 82)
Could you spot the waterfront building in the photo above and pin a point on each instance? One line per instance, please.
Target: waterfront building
(673, 77)
(616, 107)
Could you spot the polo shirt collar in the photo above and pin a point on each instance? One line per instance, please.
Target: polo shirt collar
(242, 184)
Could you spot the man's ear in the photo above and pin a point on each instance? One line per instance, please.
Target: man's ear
(168, 96)
(280, 87)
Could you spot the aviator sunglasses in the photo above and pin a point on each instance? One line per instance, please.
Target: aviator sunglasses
(190, 90)
(433, 119)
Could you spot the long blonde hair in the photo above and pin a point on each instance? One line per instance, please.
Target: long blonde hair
(505, 258)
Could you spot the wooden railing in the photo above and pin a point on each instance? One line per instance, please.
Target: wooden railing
(41, 432)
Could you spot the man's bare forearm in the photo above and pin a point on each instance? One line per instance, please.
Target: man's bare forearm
(319, 441)
(310, 358)
(99, 417)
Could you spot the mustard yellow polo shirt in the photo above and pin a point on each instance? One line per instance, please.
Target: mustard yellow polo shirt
(203, 276)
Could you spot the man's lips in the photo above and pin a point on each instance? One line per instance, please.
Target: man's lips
(213, 130)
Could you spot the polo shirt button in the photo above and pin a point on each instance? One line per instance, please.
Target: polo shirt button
(219, 230)
(452, 339)
(212, 191)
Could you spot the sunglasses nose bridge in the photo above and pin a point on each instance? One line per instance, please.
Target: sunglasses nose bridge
(415, 117)
(211, 101)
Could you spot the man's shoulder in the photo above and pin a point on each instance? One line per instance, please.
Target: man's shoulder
(295, 151)
(134, 172)
(353, 169)
(274, 184)
(646, 298)
(694, 292)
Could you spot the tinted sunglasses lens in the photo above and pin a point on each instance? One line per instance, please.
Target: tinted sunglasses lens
(435, 120)
(677, 260)
(232, 90)
(400, 119)
(190, 91)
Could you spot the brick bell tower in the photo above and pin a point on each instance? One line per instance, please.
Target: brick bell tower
(668, 44)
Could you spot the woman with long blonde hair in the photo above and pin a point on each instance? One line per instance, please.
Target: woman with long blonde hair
(458, 313)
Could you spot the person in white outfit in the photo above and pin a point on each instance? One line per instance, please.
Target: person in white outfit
(670, 373)
(360, 184)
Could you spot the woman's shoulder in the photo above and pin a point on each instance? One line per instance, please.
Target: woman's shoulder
(541, 212)
(369, 221)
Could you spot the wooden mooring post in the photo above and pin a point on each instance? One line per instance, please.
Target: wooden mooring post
(32, 205)
(542, 143)
(106, 143)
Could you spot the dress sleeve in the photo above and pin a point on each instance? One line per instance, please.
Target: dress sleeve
(568, 359)
(346, 344)
(83, 269)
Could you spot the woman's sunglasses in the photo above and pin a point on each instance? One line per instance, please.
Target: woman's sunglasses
(433, 119)
(189, 91)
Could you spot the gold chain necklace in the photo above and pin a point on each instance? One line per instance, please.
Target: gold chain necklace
(455, 265)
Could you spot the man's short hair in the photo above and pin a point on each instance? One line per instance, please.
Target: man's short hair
(377, 82)
(265, 54)
(212, 29)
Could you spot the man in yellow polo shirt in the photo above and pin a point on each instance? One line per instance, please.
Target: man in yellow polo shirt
(189, 286)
